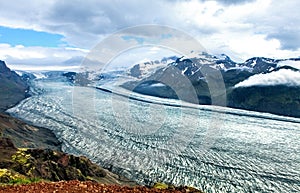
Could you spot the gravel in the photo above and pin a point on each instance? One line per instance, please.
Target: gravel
(84, 187)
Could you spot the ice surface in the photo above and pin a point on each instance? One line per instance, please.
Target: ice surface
(216, 149)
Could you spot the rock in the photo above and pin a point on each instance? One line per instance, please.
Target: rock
(64, 161)
(135, 71)
(6, 143)
(3, 67)
(9, 176)
(13, 88)
(71, 76)
(27, 136)
(49, 164)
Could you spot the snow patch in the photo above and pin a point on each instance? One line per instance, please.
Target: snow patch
(186, 68)
(254, 63)
(20, 73)
(222, 66)
(241, 68)
(39, 75)
(193, 72)
(158, 85)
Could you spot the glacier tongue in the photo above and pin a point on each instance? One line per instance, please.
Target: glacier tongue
(243, 154)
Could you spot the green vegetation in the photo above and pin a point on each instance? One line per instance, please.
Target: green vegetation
(9, 177)
(30, 165)
(21, 157)
(25, 180)
(161, 186)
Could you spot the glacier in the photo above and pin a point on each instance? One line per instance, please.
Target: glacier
(216, 149)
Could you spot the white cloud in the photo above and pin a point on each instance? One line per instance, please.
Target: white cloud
(239, 28)
(137, 56)
(280, 77)
(20, 57)
(291, 63)
(35, 68)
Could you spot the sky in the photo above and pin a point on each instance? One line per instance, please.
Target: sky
(62, 32)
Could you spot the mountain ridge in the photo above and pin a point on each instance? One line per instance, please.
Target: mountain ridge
(279, 98)
(13, 87)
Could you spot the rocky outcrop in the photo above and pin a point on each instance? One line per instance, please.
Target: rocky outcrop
(27, 136)
(21, 164)
(54, 165)
(13, 87)
(6, 143)
(135, 71)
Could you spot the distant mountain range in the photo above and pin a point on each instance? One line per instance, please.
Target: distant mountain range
(258, 84)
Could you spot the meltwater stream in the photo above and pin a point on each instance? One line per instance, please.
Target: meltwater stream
(237, 151)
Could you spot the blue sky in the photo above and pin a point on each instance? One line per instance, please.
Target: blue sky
(27, 37)
(57, 32)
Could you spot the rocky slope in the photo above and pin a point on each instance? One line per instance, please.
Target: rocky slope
(23, 165)
(13, 87)
(280, 99)
(24, 135)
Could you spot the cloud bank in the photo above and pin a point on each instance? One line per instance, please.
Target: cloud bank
(239, 28)
(18, 57)
(281, 77)
(291, 63)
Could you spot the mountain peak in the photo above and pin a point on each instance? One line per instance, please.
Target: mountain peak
(15, 88)
(224, 57)
(3, 67)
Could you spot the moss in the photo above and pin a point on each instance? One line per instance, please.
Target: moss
(79, 172)
(23, 162)
(89, 178)
(21, 157)
(19, 181)
(24, 180)
(7, 176)
(22, 149)
(3, 172)
(192, 189)
(161, 186)
(30, 171)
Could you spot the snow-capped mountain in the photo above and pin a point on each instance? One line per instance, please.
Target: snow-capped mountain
(191, 67)
(259, 83)
(145, 69)
(224, 63)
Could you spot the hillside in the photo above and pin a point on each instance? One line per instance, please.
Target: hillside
(13, 88)
(258, 84)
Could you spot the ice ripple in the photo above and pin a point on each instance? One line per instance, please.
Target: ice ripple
(248, 154)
